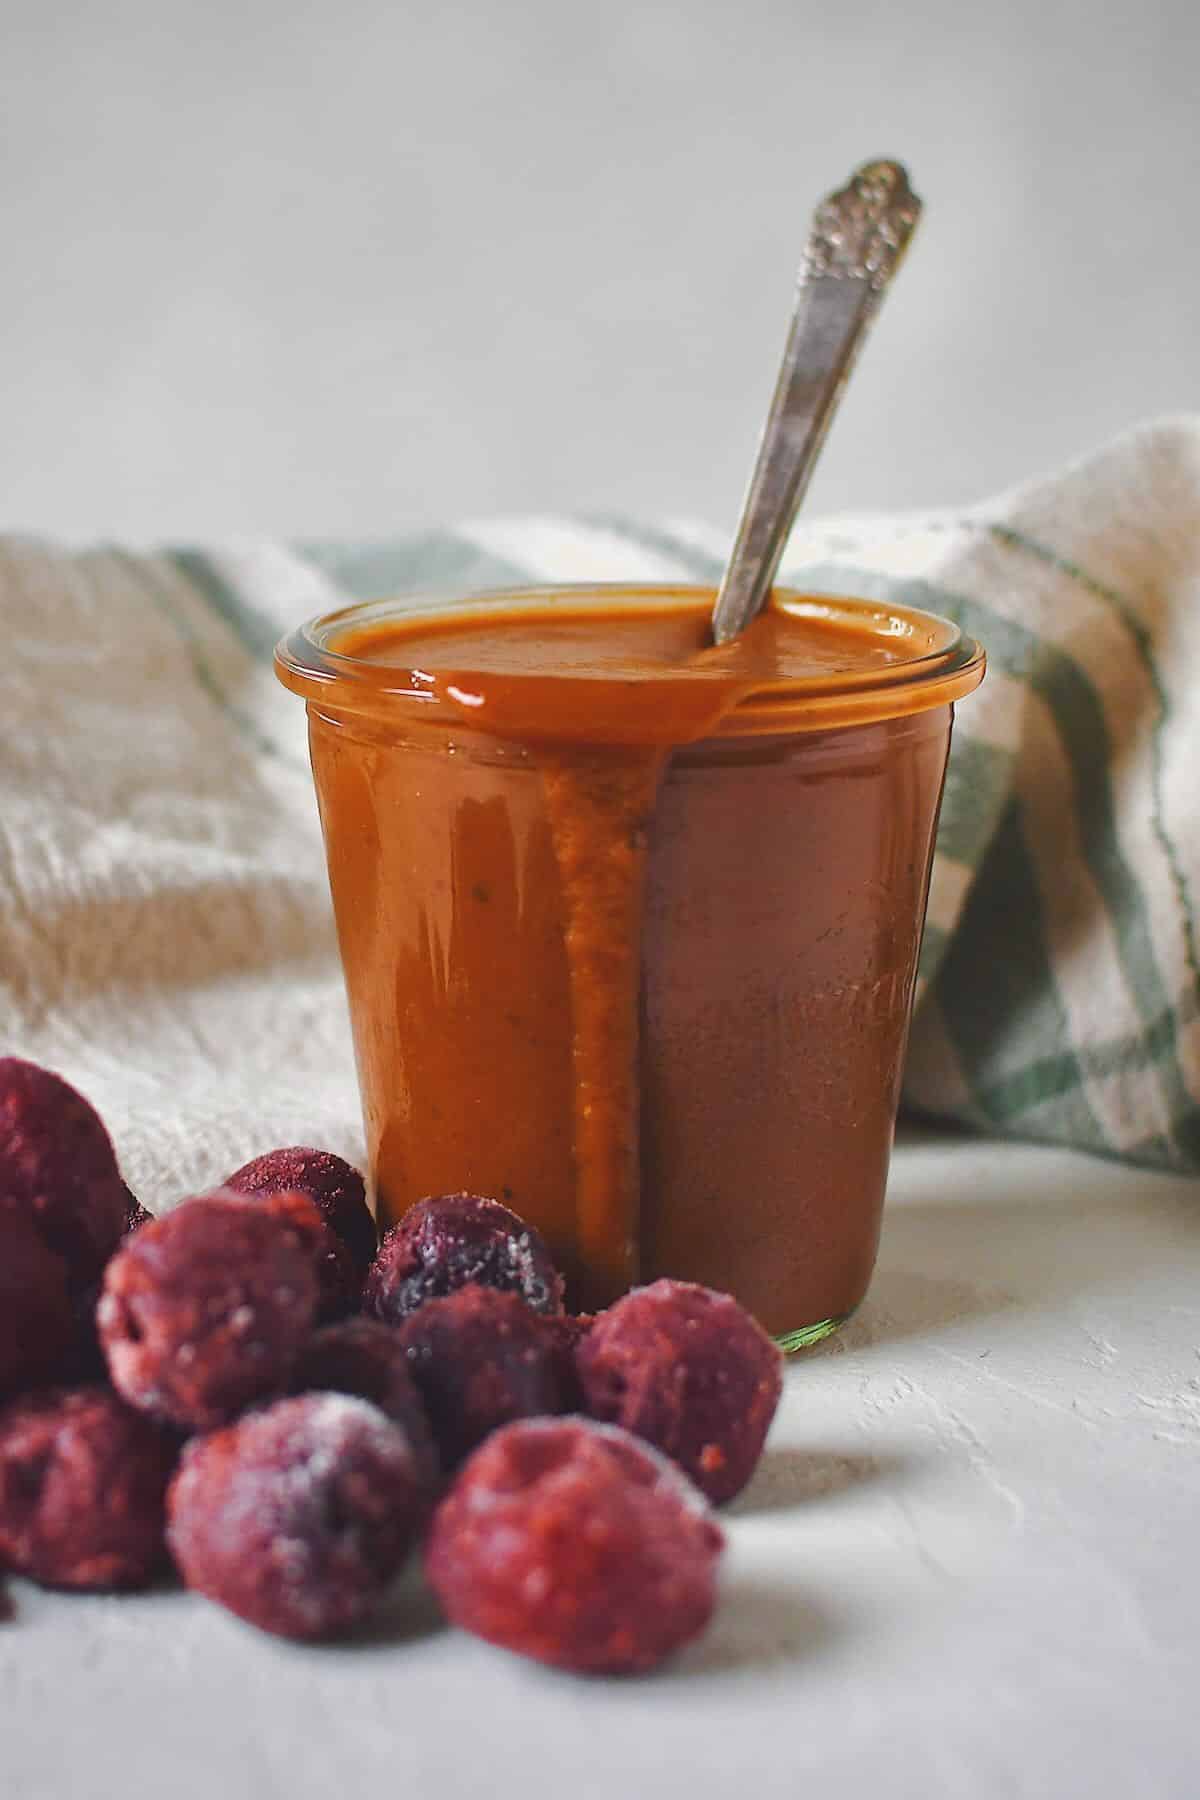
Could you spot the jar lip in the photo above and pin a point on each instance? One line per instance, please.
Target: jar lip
(945, 663)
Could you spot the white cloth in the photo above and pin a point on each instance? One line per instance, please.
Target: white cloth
(165, 934)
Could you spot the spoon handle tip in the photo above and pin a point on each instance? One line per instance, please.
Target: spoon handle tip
(856, 243)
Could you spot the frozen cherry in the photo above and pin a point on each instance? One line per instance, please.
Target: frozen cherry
(454, 1240)
(339, 1284)
(691, 1372)
(86, 1361)
(575, 1544)
(206, 1309)
(297, 1517)
(334, 1187)
(57, 1167)
(82, 1487)
(36, 1319)
(480, 1358)
(365, 1358)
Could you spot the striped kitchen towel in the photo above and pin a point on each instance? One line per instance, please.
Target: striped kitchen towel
(165, 937)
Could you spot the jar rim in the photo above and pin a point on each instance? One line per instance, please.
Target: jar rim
(944, 665)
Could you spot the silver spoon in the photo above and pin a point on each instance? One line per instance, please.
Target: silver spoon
(858, 238)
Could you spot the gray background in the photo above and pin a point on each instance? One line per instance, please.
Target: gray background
(300, 268)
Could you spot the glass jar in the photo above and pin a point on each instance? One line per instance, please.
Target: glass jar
(773, 949)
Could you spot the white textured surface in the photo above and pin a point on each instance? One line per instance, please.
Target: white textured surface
(967, 1568)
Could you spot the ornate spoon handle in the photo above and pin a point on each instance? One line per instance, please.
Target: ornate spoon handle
(858, 238)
